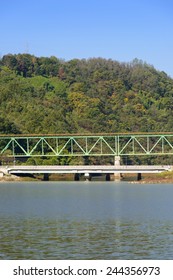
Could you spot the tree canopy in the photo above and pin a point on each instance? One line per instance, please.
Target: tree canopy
(50, 95)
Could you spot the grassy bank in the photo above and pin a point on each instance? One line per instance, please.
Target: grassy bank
(164, 177)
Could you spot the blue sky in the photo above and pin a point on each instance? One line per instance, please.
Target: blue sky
(118, 29)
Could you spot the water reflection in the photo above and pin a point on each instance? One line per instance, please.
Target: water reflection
(93, 221)
(65, 239)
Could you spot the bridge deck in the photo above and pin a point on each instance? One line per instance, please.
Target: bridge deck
(85, 169)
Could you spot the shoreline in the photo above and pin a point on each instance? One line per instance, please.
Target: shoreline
(152, 182)
(161, 178)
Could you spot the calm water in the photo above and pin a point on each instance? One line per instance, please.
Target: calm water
(86, 220)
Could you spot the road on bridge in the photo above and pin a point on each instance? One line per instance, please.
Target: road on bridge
(65, 169)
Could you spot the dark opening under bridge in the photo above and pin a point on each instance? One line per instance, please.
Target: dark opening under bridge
(86, 145)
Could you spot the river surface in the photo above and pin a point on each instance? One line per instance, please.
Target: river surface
(86, 220)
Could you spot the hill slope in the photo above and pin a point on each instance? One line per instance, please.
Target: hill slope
(49, 95)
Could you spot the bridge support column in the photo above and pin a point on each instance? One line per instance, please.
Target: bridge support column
(46, 177)
(117, 176)
(87, 177)
(139, 177)
(76, 177)
(108, 177)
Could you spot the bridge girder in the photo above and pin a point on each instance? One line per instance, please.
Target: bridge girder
(87, 145)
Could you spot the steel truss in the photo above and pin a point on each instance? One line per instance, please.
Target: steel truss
(90, 145)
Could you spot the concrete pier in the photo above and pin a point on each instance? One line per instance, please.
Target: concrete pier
(117, 176)
(139, 176)
(45, 177)
(108, 177)
(76, 177)
(87, 176)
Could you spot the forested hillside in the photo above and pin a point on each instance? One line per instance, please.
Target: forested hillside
(49, 95)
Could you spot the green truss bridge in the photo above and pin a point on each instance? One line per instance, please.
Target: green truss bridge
(122, 144)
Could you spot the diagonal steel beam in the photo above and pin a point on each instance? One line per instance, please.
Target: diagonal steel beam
(108, 144)
(145, 151)
(17, 143)
(6, 146)
(127, 143)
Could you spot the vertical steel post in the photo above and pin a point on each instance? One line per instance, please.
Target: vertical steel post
(13, 147)
(27, 145)
(86, 145)
(118, 145)
(148, 144)
(162, 144)
(42, 147)
(57, 145)
(133, 145)
(71, 145)
(101, 146)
